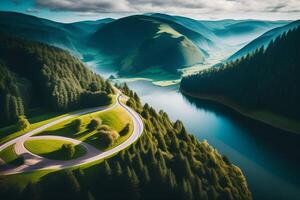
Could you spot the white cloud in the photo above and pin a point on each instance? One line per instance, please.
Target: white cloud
(193, 8)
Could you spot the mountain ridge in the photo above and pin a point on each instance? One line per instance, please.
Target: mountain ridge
(140, 33)
(264, 39)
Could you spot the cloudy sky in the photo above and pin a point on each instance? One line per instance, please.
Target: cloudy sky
(76, 10)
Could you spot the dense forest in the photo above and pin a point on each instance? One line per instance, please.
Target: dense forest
(268, 79)
(165, 163)
(37, 75)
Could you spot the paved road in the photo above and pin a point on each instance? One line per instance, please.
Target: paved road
(34, 162)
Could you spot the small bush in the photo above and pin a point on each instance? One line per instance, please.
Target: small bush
(125, 130)
(23, 123)
(104, 127)
(94, 124)
(77, 124)
(68, 150)
(105, 138)
(114, 134)
(108, 129)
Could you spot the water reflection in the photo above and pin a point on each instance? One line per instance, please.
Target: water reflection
(268, 157)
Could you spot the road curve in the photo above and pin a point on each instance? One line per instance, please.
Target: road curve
(35, 162)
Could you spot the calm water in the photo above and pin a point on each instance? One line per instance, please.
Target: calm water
(268, 157)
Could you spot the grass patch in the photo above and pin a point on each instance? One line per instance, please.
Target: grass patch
(166, 83)
(10, 132)
(51, 149)
(37, 117)
(9, 156)
(116, 118)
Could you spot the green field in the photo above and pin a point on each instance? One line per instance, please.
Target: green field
(51, 149)
(37, 118)
(115, 118)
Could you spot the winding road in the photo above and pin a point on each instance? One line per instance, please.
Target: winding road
(34, 162)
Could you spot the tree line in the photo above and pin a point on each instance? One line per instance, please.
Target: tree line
(33, 75)
(165, 163)
(267, 79)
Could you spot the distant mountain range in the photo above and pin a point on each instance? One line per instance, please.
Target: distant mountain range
(141, 43)
(67, 36)
(266, 80)
(264, 39)
(221, 32)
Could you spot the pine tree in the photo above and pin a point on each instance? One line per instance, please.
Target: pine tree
(23, 123)
(107, 169)
(145, 175)
(118, 169)
(135, 194)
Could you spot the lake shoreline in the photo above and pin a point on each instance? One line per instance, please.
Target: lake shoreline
(295, 129)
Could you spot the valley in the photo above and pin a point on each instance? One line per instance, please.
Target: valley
(151, 105)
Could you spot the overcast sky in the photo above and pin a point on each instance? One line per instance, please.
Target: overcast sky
(75, 10)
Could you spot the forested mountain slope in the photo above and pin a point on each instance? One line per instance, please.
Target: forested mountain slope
(264, 40)
(70, 36)
(37, 75)
(165, 163)
(265, 80)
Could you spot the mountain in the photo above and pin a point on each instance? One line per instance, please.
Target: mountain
(154, 44)
(264, 40)
(228, 35)
(266, 80)
(192, 26)
(91, 26)
(223, 32)
(37, 75)
(239, 27)
(67, 36)
(142, 42)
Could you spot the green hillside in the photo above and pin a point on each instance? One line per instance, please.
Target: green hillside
(266, 80)
(37, 75)
(143, 42)
(71, 37)
(165, 163)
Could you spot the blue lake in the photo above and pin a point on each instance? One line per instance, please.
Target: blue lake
(269, 158)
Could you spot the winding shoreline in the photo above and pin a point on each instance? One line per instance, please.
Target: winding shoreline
(254, 115)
